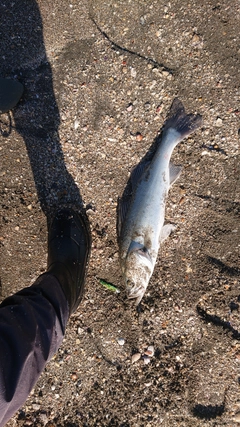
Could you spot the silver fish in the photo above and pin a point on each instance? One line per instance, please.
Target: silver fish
(141, 216)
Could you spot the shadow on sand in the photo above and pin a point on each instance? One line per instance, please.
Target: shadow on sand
(36, 117)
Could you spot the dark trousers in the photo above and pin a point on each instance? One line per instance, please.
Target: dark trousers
(32, 326)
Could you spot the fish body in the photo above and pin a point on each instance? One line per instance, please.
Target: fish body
(141, 220)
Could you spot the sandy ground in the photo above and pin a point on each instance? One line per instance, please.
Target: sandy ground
(96, 75)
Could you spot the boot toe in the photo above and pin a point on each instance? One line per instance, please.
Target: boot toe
(69, 245)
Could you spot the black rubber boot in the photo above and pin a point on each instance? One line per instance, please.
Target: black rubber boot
(69, 245)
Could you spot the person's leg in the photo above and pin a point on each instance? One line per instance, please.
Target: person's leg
(32, 326)
(33, 321)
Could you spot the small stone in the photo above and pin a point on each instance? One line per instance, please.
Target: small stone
(139, 136)
(133, 73)
(159, 108)
(76, 124)
(146, 360)
(236, 419)
(36, 406)
(195, 39)
(136, 357)
(147, 106)
(90, 212)
(165, 73)
(150, 351)
(219, 122)
(129, 107)
(121, 341)
(43, 418)
(74, 376)
(143, 20)
(29, 207)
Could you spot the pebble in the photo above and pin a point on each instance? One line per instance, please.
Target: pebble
(147, 106)
(159, 108)
(121, 341)
(219, 122)
(150, 351)
(80, 330)
(74, 376)
(76, 124)
(197, 41)
(237, 417)
(136, 357)
(165, 73)
(129, 107)
(139, 136)
(195, 38)
(154, 82)
(36, 406)
(146, 360)
(43, 418)
(133, 73)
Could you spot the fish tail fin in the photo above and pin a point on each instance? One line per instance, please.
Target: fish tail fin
(178, 120)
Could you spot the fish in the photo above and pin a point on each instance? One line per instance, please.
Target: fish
(141, 214)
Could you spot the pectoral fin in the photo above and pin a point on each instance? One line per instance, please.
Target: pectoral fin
(174, 172)
(166, 231)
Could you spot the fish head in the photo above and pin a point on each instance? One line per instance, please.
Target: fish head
(137, 272)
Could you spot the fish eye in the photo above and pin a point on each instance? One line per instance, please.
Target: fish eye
(130, 283)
